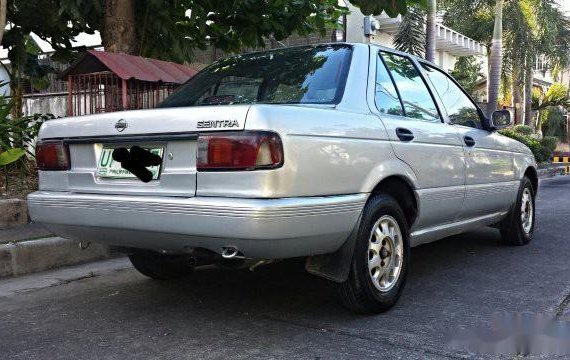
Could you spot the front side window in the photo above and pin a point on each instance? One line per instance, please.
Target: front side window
(417, 100)
(301, 75)
(460, 109)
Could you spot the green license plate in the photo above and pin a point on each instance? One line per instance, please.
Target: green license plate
(109, 168)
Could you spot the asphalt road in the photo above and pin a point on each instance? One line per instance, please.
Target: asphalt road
(279, 311)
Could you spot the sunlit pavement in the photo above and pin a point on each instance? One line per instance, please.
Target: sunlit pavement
(279, 311)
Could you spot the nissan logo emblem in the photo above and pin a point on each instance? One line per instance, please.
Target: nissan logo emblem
(121, 125)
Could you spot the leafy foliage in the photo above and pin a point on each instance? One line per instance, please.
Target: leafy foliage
(554, 124)
(19, 133)
(392, 8)
(542, 149)
(171, 30)
(11, 156)
(531, 27)
(411, 35)
(480, 17)
(556, 95)
(467, 71)
(56, 21)
(168, 30)
(523, 129)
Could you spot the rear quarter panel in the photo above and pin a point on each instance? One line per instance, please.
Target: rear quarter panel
(327, 152)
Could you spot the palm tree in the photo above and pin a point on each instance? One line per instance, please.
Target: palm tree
(536, 29)
(496, 59)
(416, 34)
(411, 36)
(555, 97)
(430, 30)
(532, 28)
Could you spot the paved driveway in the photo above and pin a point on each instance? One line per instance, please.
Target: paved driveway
(279, 311)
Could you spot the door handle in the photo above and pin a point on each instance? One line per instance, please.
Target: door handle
(469, 141)
(404, 134)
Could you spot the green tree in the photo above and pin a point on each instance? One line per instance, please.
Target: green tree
(392, 8)
(555, 97)
(467, 71)
(537, 28)
(481, 20)
(171, 30)
(532, 29)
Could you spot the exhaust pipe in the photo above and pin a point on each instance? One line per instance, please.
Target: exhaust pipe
(231, 253)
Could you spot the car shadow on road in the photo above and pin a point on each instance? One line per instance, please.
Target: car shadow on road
(285, 288)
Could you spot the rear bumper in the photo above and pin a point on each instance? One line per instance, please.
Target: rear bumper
(259, 228)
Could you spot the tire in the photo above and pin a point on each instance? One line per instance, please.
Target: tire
(370, 288)
(518, 227)
(160, 267)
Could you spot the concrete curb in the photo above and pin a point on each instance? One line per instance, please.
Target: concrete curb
(43, 254)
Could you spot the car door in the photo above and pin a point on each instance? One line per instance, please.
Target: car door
(420, 138)
(489, 181)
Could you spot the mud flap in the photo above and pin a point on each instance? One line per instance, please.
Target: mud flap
(336, 266)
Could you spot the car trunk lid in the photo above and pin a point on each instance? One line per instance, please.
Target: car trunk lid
(170, 133)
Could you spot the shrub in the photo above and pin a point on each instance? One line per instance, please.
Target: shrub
(17, 137)
(523, 129)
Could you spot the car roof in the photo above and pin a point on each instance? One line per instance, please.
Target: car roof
(353, 44)
(417, 58)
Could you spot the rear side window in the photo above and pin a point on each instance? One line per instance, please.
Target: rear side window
(301, 75)
(417, 100)
(387, 99)
(460, 109)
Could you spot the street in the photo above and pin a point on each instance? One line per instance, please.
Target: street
(279, 311)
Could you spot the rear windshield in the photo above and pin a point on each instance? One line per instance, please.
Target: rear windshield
(301, 75)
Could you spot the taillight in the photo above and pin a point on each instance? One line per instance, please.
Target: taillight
(52, 155)
(253, 150)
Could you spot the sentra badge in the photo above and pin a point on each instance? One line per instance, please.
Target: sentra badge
(214, 124)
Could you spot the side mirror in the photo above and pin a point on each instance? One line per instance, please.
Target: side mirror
(500, 119)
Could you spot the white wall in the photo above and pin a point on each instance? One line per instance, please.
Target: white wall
(54, 104)
(4, 78)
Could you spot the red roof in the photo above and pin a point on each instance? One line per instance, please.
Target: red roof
(130, 67)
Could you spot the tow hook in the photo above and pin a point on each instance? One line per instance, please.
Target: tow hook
(83, 245)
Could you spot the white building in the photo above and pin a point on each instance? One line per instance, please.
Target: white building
(449, 43)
